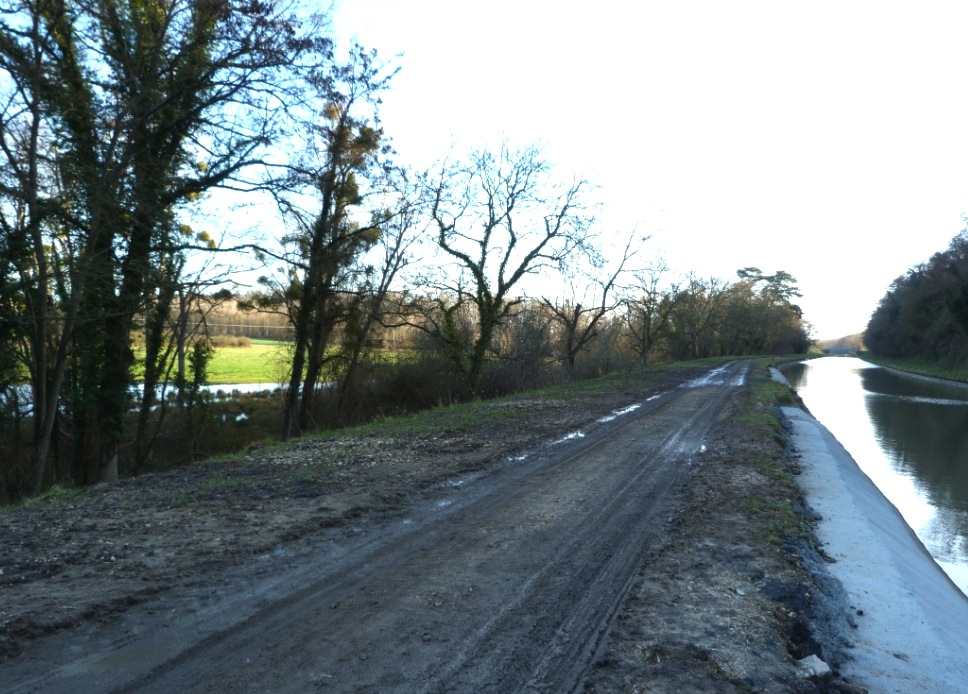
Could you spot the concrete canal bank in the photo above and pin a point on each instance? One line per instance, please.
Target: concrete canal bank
(911, 620)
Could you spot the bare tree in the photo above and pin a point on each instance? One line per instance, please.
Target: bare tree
(649, 308)
(399, 225)
(593, 298)
(695, 320)
(499, 217)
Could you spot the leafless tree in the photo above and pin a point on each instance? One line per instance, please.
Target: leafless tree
(593, 297)
(499, 216)
(650, 304)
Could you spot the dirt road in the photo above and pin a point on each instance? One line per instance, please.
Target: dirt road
(509, 580)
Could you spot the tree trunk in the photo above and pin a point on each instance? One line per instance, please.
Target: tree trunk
(475, 369)
(314, 364)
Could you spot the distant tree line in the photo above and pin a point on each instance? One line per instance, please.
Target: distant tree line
(924, 313)
(118, 120)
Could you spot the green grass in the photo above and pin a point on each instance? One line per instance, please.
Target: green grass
(783, 520)
(923, 367)
(468, 416)
(55, 496)
(766, 395)
(179, 499)
(773, 392)
(265, 361)
(776, 471)
(446, 419)
(779, 360)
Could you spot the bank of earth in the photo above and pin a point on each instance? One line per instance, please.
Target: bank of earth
(734, 597)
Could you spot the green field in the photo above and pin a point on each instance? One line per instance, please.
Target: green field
(266, 361)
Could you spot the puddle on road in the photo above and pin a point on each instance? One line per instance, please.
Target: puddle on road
(716, 377)
(454, 484)
(618, 413)
(602, 420)
(569, 437)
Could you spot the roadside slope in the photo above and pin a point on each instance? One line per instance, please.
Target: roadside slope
(912, 621)
(739, 595)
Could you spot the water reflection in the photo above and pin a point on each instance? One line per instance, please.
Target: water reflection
(909, 435)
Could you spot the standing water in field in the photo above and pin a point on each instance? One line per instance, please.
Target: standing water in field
(909, 435)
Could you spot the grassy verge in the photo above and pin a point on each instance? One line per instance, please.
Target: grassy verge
(468, 418)
(58, 495)
(782, 520)
(766, 395)
(774, 504)
(465, 417)
(923, 367)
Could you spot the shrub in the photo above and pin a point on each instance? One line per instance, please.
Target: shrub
(230, 341)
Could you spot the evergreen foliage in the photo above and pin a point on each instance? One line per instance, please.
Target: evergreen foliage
(924, 313)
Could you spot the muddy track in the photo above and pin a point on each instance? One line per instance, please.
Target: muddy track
(510, 583)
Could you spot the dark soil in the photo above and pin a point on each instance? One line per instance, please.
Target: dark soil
(726, 603)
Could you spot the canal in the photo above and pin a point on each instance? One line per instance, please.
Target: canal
(909, 435)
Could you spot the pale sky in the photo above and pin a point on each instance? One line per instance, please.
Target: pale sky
(827, 139)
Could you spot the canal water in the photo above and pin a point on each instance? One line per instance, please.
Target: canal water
(909, 435)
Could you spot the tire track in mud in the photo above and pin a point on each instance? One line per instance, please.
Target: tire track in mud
(513, 587)
(601, 561)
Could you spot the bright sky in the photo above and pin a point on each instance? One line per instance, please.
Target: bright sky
(827, 139)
